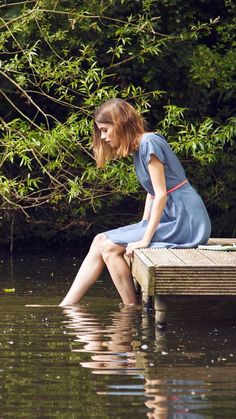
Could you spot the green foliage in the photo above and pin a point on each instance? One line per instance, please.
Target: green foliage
(204, 141)
(9, 290)
(59, 60)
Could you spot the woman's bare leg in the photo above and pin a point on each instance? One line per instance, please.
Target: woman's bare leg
(103, 251)
(119, 270)
(89, 272)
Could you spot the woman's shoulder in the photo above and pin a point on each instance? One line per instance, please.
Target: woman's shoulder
(151, 143)
(148, 137)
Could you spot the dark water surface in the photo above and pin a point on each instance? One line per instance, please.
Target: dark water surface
(99, 360)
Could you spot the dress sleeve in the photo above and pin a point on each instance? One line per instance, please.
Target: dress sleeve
(153, 146)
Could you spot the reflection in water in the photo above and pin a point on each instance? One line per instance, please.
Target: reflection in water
(112, 346)
(178, 403)
(97, 361)
(116, 348)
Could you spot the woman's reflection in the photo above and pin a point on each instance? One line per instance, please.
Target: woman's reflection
(111, 345)
(117, 346)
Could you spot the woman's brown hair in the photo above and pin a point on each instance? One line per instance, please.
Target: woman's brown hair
(128, 128)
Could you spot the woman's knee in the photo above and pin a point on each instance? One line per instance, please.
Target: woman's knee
(98, 241)
(110, 249)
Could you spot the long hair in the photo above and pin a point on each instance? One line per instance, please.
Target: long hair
(128, 127)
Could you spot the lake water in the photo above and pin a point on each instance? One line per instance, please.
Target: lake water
(100, 360)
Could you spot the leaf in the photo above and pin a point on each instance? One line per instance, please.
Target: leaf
(8, 290)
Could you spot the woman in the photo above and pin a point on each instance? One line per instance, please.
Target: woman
(174, 214)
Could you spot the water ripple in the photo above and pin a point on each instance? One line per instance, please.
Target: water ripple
(97, 360)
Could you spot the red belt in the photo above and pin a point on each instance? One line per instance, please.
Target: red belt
(175, 187)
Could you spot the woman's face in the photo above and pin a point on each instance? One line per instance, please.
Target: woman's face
(107, 134)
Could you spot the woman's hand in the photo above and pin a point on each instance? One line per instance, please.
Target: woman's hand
(135, 245)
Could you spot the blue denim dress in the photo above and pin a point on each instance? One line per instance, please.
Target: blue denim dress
(185, 222)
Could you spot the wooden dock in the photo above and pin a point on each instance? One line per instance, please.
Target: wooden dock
(165, 272)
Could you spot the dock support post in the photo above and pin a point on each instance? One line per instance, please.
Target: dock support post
(137, 287)
(160, 311)
(147, 301)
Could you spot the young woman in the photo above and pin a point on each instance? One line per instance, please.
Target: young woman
(174, 214)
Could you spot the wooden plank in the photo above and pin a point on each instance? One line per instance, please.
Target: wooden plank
(189, 257)
(162, 257)
(221, 240)
(201, 270)
(162, 281)
(224, 258)
(193, 292)
(186, 271)
(196, 274)
(192, 257)
(144, 257)
(143, 271)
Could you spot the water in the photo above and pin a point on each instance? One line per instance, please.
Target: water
(100, 360)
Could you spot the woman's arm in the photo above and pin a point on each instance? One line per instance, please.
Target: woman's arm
(147, 207)
(157, 174)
